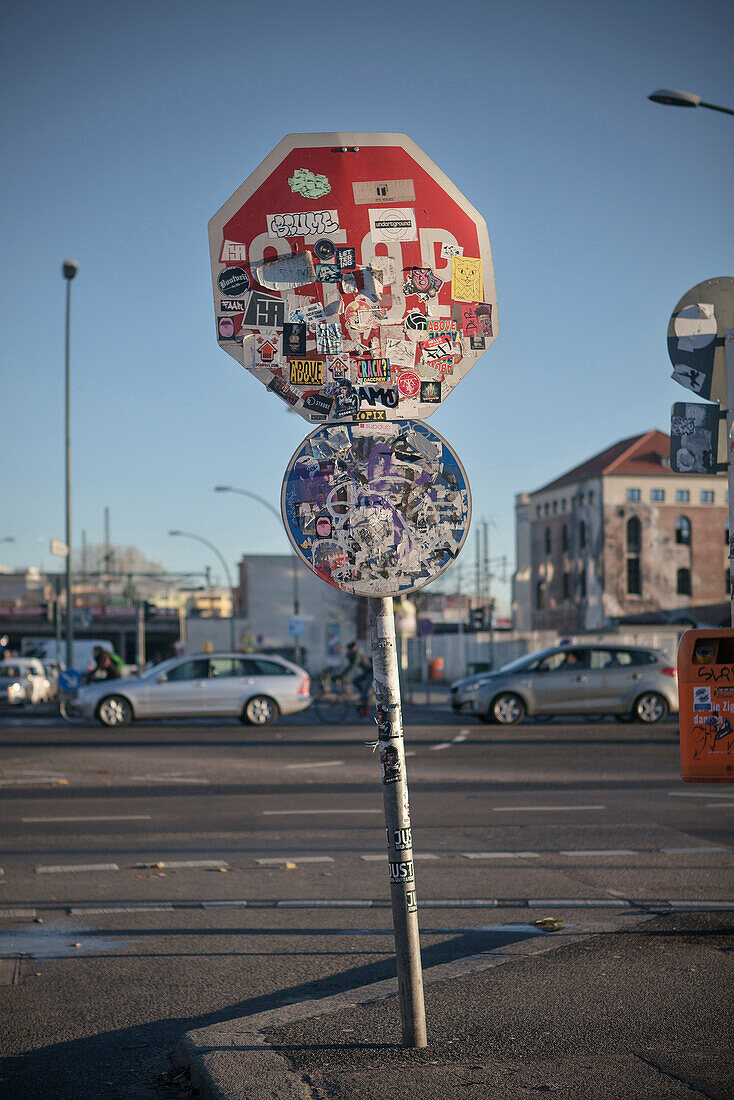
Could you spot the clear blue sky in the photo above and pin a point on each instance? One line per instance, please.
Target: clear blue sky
(125, 126)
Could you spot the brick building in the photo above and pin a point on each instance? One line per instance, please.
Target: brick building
(617, 536)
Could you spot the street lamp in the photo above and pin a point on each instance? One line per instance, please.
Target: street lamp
(212, 547)
(69, 270)
(268, 505)
(672, 98)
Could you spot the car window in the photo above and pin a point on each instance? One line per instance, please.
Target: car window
(226, 666)
(270, 668)
(11, 671)
(552, 662)
(610, 658)
(643, 657)
(189, 670)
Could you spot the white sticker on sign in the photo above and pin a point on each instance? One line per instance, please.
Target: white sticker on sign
(308, 223)
(702, 698)
(393, 225)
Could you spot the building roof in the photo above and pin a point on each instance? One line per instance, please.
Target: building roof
(640, 455)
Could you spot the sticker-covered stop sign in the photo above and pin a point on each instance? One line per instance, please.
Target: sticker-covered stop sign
(352, 278)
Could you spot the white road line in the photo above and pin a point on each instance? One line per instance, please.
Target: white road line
(25, 914)
(56, 870)
(699, 794)
(461, 736)
(318, 764)
(719, 805)
(437, 748)
(358, 903)
(685, 851)
(110, 817)
(375, 858)
(224, 905)
(545, 809)
(577, 903)
(35, 779)
(91, 910)
(283, 813)
(500, 855)
(702, 904)
(600, 852)
(162, 779)
(459, 903)
(293, 859)
(178, 863)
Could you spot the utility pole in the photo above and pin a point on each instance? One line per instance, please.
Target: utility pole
(69, 270)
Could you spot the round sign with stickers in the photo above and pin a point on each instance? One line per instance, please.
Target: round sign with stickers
(376, 509)
(696, 333)
(352, 278)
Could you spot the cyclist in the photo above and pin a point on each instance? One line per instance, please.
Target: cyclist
(359, 669)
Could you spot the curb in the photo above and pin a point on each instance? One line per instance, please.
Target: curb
(233, 1060)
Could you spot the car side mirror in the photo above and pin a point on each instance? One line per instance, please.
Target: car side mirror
(161, 679)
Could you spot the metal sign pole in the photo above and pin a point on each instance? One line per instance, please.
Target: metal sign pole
(397, 822)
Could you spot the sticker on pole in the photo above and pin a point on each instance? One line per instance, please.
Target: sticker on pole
(696, 335)
(355, 254)
(376, 509)
(695, 432)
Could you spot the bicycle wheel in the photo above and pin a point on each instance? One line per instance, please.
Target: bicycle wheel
(330, 707)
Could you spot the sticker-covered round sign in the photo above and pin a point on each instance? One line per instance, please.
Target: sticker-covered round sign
(353, 278)
(696, 334)
(376, 510)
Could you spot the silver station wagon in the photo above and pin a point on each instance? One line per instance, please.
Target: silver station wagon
(252, 687)
(629, 682)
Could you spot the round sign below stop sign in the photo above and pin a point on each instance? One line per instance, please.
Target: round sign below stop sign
(353, 278)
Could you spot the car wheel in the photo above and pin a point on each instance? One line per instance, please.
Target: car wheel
(113, 711)
(508, 709)
(650, 707)
(259, 711)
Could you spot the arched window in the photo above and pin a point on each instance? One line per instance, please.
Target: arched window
(582, 535)
(564, 537)
(634, 535)
(683, 582)
(683, 531)
(548, 545)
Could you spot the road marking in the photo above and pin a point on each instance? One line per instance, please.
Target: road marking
(294, 859)
(545, 809)
(35, 779)
(92, 910)
(500, 855)
(702, 904)
(600, 852)
(224, 905)
(111, 817)
(283, 813)
(437, 748)
(318, 764)
(698, 794)
(719, 805)
(184, 863)
(357, 903)
(461, 736)
(55, 870)
(577, 903)
(162, 779)
(459, 903)
(26, 914)
(683, 851)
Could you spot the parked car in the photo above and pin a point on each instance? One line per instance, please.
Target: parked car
(15, 685)
(629, 682)
(255, 688)
(41, 690)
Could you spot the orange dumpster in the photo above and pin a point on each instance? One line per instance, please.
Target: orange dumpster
(706, 705)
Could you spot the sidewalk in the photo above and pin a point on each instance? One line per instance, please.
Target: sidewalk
(632, 1008)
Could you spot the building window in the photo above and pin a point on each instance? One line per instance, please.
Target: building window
(582, 535)
(546, 508)
(591, 496)
(566, 586)
(726, 536)
(683, 531)
(657, 495)
(682, 496)
(582, 584)
(683, 582)
(633, 494)
(563, 504)
(634, 536)
(727, 581)
(634, 578)
(540, 595)
(537, 511)
(548, 544)
(707, 496)
(581, 499)
(564, 537)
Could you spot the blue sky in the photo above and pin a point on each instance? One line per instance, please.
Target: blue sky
(127, 126)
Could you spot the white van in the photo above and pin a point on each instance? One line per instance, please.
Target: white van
(82, 651)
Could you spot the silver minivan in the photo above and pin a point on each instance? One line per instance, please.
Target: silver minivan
(630, 682)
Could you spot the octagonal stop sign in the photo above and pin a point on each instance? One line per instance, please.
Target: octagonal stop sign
(352, 278)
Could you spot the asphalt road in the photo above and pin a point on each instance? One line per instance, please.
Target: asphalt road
(186, 873)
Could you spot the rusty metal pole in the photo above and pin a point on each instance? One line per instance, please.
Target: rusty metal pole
(397, 822)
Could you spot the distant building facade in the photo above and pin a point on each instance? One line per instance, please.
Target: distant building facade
(617, 536)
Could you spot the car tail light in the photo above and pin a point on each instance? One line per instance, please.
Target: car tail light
(670, 672)
(305, 686)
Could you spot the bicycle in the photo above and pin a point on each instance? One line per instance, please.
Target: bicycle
(69, 710)
(333, 696)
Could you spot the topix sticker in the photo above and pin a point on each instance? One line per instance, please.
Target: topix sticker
(390, 225)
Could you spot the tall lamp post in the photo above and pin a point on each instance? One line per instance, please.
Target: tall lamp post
(69, 269)
(279, 518)
(212, 547)
(671, 98)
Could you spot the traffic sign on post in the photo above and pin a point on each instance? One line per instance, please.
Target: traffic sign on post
(696, 337)
(352, 278)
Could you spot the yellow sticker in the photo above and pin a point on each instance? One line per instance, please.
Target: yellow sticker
(371, 414)
(306, 372)
(466, 279)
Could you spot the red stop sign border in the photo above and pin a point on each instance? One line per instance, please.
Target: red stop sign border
(361, 334)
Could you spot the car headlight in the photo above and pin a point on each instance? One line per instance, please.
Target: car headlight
(13, 688)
